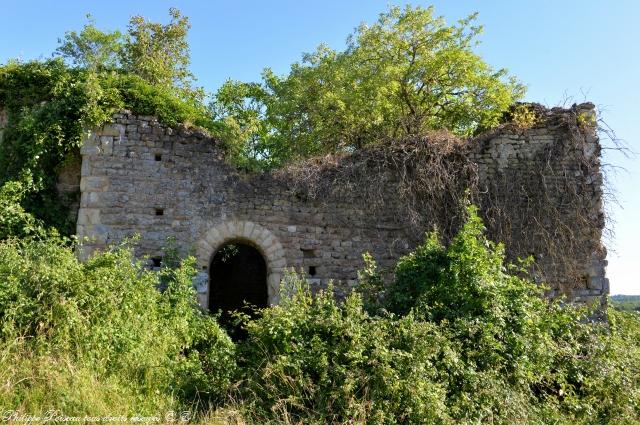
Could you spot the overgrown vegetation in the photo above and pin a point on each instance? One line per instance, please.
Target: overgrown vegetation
(50, 103)
(457, 337)
(98, 337)
(406, 74)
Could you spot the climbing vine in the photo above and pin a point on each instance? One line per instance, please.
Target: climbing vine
(547, 205)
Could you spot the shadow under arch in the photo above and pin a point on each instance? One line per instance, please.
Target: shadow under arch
(237, 277)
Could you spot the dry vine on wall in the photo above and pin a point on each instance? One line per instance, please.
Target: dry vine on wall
(545, 201)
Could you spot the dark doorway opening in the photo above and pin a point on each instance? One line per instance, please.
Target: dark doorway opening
(238, 276)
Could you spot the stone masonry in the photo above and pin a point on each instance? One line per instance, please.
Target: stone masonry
(139, 176)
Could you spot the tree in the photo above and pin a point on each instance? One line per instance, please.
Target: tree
(159, 53)
(91, 48)
(404, 75)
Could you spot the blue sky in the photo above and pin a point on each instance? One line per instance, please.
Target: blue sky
(581, 50)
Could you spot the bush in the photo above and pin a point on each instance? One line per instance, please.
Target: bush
(108, 319)
(50, 106)
(474, 343)
(313, 360)
(14, 220)
(522, 357)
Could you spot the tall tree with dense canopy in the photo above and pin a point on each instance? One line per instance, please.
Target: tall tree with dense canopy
(158, 53)
(406, 74)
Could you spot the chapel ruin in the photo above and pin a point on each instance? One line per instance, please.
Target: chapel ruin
(538, 189)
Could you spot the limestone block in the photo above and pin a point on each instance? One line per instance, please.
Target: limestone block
(106, 145)
(203, 251)
(596, 283)
(203, 300)
(248, 229)
(89, 149)
(274, 250)
(201, 282)
(88, 216)
(279, 264)
(238, 228)
(266, 239)
(113, 130)
(273, 287)
(85, 169)
(90, 145)
(91, 230)
(92, 183)
(213, 237)
(229, 229)
(80, 231)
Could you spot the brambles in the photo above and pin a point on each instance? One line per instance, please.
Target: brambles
(473, 342)
(107, 319)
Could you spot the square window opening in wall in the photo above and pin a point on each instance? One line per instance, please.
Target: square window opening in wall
(159, 211)
(156, 262)
(308, 253)
(312, 270)
(158, 157)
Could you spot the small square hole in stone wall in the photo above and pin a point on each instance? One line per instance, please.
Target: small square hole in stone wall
(158, 157)
(156, 261)
(159, 211)
(308, 253)
(312, 270)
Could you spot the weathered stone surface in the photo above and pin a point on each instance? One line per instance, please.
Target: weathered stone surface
(135, 165)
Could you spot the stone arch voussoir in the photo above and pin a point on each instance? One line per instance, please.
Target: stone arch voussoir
(255, 234)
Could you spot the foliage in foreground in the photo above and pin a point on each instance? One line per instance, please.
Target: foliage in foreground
(312, 359)
(475, 343)
(99, 337)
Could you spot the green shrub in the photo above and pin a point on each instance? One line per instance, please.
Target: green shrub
(107, 316)
(313, 360)
(14, 220)
(99, 338)
(50, 106)
(522, 358)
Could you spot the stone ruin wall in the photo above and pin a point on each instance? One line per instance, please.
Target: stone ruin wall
(139, 176)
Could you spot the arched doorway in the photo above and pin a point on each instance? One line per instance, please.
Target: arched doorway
(249, 233)
(238, 276)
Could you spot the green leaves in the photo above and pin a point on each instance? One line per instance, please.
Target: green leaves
(108, 315)
(157, 53)
(406, 74)
(313, 359)
(14, 220)
(50, 105)
(92, 48)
